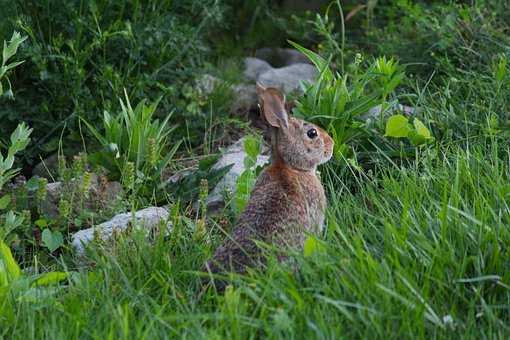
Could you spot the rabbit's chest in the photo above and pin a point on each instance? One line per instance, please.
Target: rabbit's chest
(314, 204)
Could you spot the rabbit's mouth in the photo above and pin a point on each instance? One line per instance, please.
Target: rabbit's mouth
(328, 149)
(328, 154)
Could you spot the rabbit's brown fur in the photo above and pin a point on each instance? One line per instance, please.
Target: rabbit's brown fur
(288, 199)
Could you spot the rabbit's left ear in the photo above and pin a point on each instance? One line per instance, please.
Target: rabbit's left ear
(273, 106)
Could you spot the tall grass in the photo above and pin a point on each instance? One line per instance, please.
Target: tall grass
(413, 249)
(416, 252)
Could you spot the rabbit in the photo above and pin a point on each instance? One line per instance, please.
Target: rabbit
(288, 199)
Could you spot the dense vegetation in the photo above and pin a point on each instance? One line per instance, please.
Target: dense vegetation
(418, 238)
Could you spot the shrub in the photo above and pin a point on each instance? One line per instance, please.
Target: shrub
(135, 144)
(337, 101)
(81, 54)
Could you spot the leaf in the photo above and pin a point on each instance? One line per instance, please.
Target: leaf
(52, 239)
(206, 163)
(50, 278)
(4, 201)
(8, 264)
(421, 129)
(397, 126)
(312, 246)
(319, 62)
(32, 184)
(499, 69)
(252, 146)
(416, 139)
(41, 223)
(244, 185)
(11, 48)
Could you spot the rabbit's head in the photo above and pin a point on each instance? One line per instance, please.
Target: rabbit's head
(299, 144)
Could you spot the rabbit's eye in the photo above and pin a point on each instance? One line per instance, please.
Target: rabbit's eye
(312, 133)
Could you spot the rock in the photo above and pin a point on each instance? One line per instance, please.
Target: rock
(147, 219)
(375, 112)
(245, 98)
(281, 57)
(289, 78)
(253, 67)
(101, 195)
(235, 155)
(47, 168)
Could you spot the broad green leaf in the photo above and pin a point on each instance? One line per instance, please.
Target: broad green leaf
(416, 139)
(41, 223)
(32, 184)
(421, 129)
(500, 68)
(312, 246)
(8, 264)
(244, 184)
(252, 146)
(52, 239)
(4, 201)
(50, 278)
(397, 126)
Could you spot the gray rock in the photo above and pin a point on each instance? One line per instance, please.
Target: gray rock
(375, 112)
(289, 78)
(235, 155)
(148, 219)
(47, 168)
(101, 195)
(245, 98)
(281, 57)
(253, 67)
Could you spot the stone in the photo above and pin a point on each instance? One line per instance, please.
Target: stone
(281, 57)
(148, 219)
(288, 79)
(235, 155)
(101, 195)
(244, 98)
(47, 168)
(253, 67)
(374, 113)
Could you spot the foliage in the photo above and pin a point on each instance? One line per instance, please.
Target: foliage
(338, 101)
(416, 239)
(438, 36)
(187, 187)
(19, 141)
(134, 145)
(246, 180)
(16, 287)
(94, 50)
(417, 250)
(399, 126)
(9, 50)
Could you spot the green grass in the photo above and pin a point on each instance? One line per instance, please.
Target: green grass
(403, 251)
(417, 245)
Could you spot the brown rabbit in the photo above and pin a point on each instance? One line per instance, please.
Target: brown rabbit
(288, 199)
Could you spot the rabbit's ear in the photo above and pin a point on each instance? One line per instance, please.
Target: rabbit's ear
(273, 106)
